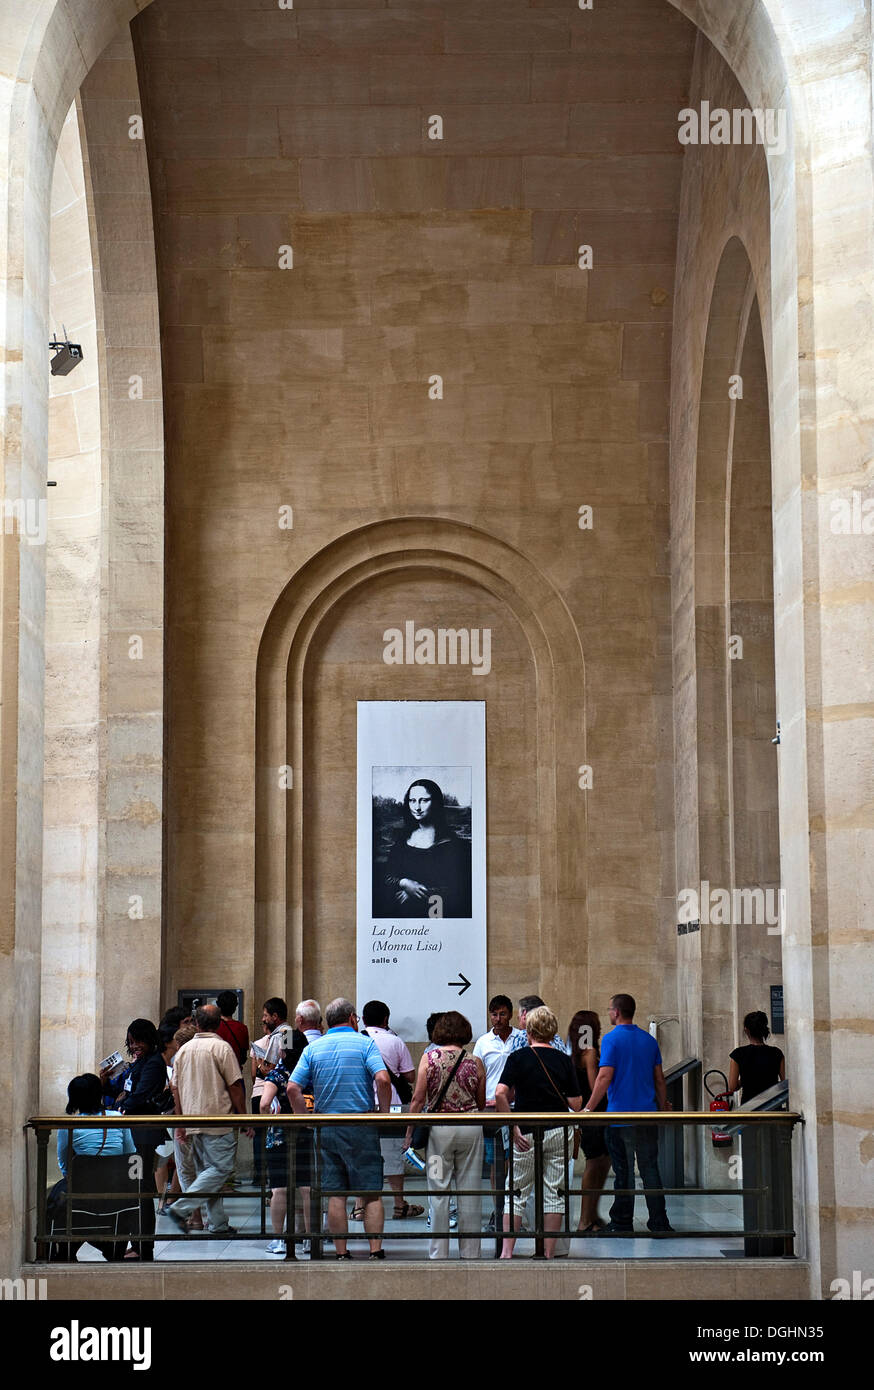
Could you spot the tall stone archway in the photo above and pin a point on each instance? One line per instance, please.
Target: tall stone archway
(404, 550)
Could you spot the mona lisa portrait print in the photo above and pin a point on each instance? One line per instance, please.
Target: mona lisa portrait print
(421, 842)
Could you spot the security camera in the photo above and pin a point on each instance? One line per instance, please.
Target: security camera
(67, 356)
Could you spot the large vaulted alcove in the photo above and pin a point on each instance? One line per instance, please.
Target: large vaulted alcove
(421, 312)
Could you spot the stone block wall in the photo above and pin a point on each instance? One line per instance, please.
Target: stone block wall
(309, 387)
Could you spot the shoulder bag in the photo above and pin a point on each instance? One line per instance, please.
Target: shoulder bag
(420, 1133)
(548, 1075)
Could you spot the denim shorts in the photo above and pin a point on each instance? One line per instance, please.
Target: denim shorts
(348, 1156)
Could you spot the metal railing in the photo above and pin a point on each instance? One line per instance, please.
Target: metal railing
(765, 1188)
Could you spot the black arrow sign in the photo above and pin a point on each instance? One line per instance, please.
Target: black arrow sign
(464, 982)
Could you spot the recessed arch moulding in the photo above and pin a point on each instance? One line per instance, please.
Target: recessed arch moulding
(409, 550)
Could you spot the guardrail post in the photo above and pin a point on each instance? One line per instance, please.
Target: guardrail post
(290, 1191)
(783, 1173)
(42, 1177)
(539, 1217)
(262, 1196)
(68, 1201)
(316, 1196)
(499, 1197)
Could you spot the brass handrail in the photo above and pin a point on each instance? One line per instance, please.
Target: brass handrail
(715, 1118)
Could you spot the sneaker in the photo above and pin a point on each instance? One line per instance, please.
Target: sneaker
(453, 1221)
(611, 1230)
(224, 1231)
(305, 1247)
(276, 1247)
(176, 1219)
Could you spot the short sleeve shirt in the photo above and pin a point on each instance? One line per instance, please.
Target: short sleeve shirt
(540, 1077)
(339, 1069)
(236, 1035)
(275, 1138)
(203, 1069)
(633, 1054)
(759, 1068)
(95, 1143)
(395, 1054)
(493, 1053)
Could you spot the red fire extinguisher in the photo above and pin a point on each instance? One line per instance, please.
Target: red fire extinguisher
(721, 1101)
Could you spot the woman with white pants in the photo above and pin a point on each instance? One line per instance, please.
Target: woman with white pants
(450, 1082)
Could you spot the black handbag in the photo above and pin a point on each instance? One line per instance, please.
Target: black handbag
(402, 1087)
(420, 1132)
(404, 1094)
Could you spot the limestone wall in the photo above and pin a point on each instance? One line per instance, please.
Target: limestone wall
(74, 732)
(308, 386)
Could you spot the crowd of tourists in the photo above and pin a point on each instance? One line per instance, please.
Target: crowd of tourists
(192, 1066)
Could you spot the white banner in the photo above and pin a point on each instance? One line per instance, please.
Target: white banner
(421, 881)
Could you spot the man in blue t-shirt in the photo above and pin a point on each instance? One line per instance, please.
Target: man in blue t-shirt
(341, 1069)
(631, 1075)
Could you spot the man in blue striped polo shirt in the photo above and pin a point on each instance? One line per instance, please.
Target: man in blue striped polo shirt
(340, 1070)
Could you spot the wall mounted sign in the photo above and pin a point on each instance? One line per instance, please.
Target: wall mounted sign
(421, 867)
(778, 1018)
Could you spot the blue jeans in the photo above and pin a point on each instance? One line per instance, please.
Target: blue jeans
(623, 1143)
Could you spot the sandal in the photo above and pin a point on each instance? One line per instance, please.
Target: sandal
(592, 1229)
(407, 1211)
(357, 1213)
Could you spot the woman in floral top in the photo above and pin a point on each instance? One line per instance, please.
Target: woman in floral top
(454, 1151)
(273, 1102)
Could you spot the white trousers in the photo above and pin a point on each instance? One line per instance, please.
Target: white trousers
(455, 1151)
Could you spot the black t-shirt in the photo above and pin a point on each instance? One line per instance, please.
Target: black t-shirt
(759, 1068)
(524, 1074)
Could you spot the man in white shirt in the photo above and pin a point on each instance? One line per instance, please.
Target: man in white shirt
(493, 1048)
(396, 1056)
(274, 1018)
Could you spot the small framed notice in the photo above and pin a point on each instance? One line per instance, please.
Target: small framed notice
(778, 1024)
(192, 998)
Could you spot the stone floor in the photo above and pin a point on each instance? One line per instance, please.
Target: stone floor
(686, 1214)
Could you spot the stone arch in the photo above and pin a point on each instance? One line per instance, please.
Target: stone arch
(755, 828)
(356, 559)
(733, 361)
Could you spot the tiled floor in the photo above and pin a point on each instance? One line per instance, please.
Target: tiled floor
(685, 1214)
